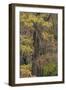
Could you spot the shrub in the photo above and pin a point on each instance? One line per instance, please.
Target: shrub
(26, 70)
(50, 69)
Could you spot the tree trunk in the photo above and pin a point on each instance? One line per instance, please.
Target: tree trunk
(36, 52)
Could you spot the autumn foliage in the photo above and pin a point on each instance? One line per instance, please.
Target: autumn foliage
(38, 44)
